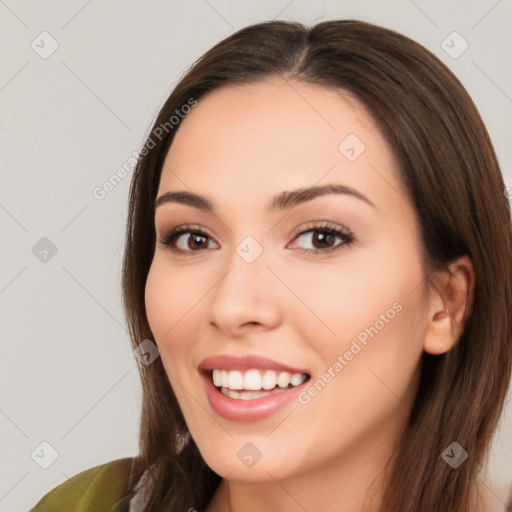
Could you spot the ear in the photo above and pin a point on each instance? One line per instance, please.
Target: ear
(450, 306)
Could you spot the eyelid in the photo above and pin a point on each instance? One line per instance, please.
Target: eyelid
(179, 230)
(319, 225)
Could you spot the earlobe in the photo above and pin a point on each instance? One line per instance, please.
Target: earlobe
(450, 306)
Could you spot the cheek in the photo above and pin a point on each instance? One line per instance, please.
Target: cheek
(169, 299)
(373, 316)
(172, 310)
(363, 291)
(170, 296)
(157, 302)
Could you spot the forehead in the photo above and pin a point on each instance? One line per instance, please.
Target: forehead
(253, 140)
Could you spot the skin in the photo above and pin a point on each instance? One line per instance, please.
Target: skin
(240, 146)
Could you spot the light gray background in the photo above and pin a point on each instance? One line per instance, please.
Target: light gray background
(69, 122)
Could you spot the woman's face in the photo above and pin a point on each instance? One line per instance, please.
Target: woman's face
(326, 285)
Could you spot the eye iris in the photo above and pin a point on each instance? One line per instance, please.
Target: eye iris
(196, 241)
(324, 237)
(195, 244)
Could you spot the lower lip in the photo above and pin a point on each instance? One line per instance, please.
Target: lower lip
(248, 410)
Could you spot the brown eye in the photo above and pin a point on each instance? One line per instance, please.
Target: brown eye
(186, 239)
(323, 238)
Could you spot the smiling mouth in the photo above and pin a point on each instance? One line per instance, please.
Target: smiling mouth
(254, 383)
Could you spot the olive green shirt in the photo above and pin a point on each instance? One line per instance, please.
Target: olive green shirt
(98, 489)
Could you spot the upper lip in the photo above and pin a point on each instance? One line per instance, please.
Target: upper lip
(247, 362)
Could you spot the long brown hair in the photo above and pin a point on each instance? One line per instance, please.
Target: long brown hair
(450, 170)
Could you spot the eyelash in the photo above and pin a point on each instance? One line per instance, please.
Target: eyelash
(344, 234)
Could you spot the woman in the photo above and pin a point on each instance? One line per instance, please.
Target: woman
(322, 253)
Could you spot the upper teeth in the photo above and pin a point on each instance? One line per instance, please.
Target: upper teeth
(256, 379)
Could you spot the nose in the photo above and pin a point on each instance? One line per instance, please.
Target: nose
(245, 298)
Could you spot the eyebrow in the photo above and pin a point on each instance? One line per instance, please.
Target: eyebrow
(283, 201)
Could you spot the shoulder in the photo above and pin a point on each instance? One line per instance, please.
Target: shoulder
(100, 487)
